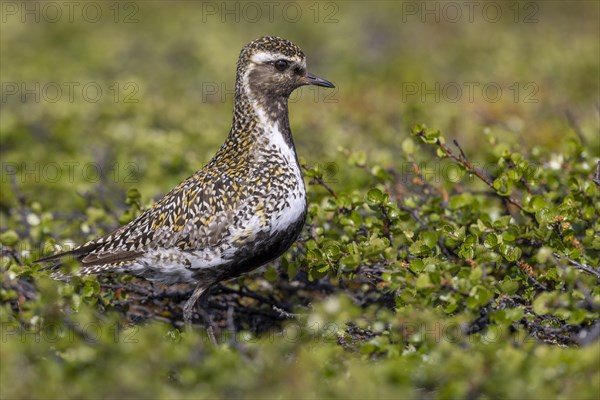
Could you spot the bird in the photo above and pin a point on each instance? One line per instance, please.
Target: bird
(243, 209)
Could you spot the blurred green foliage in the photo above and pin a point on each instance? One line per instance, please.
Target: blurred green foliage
(427, 268)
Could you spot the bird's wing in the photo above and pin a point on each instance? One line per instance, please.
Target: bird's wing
(160, 226)
(195, 215)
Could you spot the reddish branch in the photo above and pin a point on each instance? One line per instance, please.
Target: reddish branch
(464, 161)
(318, 180)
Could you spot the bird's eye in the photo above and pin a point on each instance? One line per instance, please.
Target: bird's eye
(281, 65)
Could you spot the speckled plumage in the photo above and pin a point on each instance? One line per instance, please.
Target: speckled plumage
(245, 208)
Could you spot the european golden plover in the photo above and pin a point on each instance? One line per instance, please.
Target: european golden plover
(242, 210)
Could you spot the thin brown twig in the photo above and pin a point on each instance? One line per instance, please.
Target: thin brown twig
(535, 282)
(464, 161)
(578, 265)
(387, 223)
(523, 181)
(462, 153)
(528, 271)
(317, 180)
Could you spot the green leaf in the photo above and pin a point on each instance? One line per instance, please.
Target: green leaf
(461, 200)
(481, 295)
(9, 238)
(417, 265)
(133, 196)
(503, 185)
(466, 251)
(491, 241)
(408, 146)
(429, 239)
(331, 249)
(476, 274)
(511, 253)
(514, 314)
(537, 203)
(544, 216)
(509, 235)
(423, 281)
(508, 315)
(375, 197)
(543, 303)
(509, 286)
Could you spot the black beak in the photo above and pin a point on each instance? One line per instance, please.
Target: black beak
(310, 79)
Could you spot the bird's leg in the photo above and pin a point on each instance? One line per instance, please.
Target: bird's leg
(201, 293)
(188, 307)
(206, 315)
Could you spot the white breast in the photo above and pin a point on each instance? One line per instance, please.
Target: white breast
(296, 199)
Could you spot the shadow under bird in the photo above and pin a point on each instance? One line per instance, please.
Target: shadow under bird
(242, 210)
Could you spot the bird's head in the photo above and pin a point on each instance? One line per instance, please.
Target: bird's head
(272, 67)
